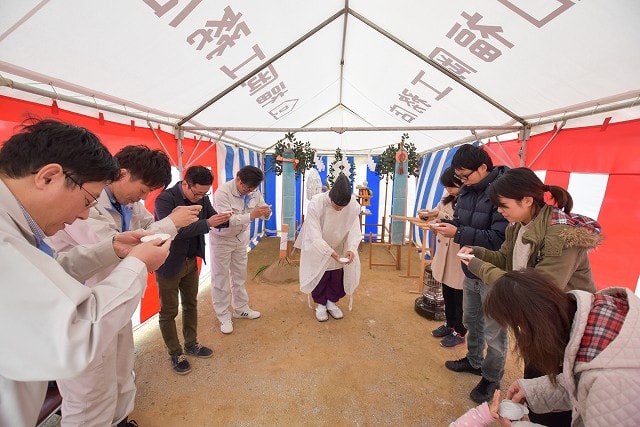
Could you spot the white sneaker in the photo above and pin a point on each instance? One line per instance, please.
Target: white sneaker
(247, 313)
(321, 313)
(226, 326)
(333, 310)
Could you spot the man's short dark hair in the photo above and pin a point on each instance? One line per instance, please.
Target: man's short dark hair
(42, 142)
(151, 166)
(198, 175)
(251, 176)
(471, 158)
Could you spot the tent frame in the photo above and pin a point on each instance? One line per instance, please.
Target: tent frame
(181, 124)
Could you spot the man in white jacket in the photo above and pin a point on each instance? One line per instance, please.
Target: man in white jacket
(53, 326)
(329, 261)
(241, 198)
(104, 393)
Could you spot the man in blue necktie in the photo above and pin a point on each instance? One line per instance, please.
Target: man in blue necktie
(91, 396)
(241, 197)
(51, 174)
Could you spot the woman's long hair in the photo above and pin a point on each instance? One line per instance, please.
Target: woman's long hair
(448, 179)
(538, 313)
(519, 183)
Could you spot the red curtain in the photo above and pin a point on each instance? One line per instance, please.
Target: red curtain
(612, 150)
(115, 136)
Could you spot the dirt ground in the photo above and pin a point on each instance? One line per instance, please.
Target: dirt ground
(378, 366)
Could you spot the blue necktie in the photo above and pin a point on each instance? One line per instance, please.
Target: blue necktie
(40, 244)
(125, 213)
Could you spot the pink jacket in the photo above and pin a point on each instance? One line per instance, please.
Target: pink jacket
(477, 417)
(481, 416)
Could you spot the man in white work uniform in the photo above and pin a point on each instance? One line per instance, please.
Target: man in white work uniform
(104, 393)
(229, 245)
(51, 174)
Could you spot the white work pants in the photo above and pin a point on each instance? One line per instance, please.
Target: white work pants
(229, 273)
(104, 393)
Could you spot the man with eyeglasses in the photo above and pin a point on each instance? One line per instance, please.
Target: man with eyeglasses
(54, 325)
(105, 391)
(477, 222)
(180, 274)
(229, 245)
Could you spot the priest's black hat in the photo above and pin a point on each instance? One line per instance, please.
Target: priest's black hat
(340, 193)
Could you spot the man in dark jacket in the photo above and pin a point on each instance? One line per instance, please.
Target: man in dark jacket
(179, 273)
(477, 222)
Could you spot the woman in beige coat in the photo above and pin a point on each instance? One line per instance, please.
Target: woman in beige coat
(446, 267)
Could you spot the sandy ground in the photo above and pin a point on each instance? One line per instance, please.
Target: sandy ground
(378, 366)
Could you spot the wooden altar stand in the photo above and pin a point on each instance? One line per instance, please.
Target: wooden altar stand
(423, 250)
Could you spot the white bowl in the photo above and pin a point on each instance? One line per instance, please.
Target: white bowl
(511, 410)
(466, 256)
(162, 236)
(343, 260)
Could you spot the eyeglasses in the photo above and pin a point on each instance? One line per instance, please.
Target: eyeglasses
(464, 178)
(88, 203)
(198, 195)
(247, 188)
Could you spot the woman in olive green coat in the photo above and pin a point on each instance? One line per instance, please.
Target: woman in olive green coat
(548, 238)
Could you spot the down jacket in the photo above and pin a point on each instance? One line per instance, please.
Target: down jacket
(605, 391)
(477, 218)
(559, 249)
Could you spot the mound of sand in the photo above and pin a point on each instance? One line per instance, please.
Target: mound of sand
(282, 270)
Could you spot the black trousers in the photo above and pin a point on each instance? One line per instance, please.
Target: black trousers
(453, 308)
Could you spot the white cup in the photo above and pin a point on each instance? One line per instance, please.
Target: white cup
(511, 410)
(162, 236)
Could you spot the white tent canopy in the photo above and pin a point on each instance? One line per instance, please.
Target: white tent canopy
(353, 74)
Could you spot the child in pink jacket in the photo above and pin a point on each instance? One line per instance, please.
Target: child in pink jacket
(485, 414)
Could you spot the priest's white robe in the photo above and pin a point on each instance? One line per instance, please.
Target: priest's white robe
(326, 230)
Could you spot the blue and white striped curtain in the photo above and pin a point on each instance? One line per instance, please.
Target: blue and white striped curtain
(230, 160)
(273, 192)
(428, 191)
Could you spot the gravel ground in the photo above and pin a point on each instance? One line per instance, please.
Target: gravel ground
(378, 366)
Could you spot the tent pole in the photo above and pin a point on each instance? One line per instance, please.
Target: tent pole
(94, 105)
(526, 134)
(558, 129)
(179, 135)
(161, 143)
(504, 161)
(195, 149)
(384, 212)
(438, 67)
(630, 103)
(342, 49)
(351, 128)
(261, 67)
(189, 162)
